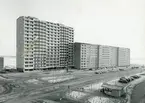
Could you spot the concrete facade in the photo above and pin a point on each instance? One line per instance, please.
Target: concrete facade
(114, 56)
(43, 44)
(104, 56)
(123, 57)
(66, 46)
(86, 56)
(1, 63)
(100, 56)
(107, 56)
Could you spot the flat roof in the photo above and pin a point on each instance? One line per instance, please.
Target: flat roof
(114, 84)
(102, 45)
(105, 85)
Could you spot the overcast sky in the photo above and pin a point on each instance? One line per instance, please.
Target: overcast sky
(107, 22)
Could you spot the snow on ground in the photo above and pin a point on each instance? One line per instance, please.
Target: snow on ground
(57, 72)
(97, 99)
(34, 81)
(47, 78)
(75, 95)
(57, 79)
(93, 87)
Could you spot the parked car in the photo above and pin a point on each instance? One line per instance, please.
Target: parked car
(102, 90)
(97, 73)
(129, 80)
(90, 69)
(132, 78)
(135, 76)
(3, 71)
(121, 69)
(123, 80)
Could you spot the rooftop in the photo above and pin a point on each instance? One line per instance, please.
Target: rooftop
(114, 84)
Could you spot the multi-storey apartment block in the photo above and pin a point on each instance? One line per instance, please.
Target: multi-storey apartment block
(86, 56)
(104, 56)
(114, 56)
(43, 45)
(123, 57)
(107, 56)
(66, 46)
(100, 56)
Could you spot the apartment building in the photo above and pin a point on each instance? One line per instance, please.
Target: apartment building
(123, 57)
(66, 46)
(43, 44)
(107, 56)
(114, 56)
(99, 56)
(86, 56)
(104, 56)
(1, 63)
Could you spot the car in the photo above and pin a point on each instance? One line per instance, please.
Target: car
(3, 71)
(121, 69)
(102, 90)
(123, 80)
(90, 69)
(132, 78)
(97, 73)
(135, 76)
(129, 80)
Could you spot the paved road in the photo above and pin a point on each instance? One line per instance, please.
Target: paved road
(142, 99)
(138, 93)
(81, 81)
